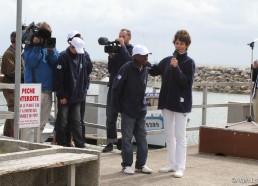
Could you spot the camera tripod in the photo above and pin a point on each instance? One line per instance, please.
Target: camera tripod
(249, 118)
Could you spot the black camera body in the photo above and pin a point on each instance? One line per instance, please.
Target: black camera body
(110, 46)
(31, 31)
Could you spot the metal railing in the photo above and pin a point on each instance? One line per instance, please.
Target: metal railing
(202, 106)
(155, 85)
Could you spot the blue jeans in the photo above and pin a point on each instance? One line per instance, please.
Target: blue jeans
(72, 112)
(133, 127)
(112, 115)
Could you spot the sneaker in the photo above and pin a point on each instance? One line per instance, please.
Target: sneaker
(108, 148)
(128, 170)
(178, 174)
(166, 169)
(145, 170)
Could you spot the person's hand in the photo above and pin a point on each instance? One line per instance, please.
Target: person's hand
(121, 41)
(174, 62)
(110, 55)
(63, 101)
(36, 40)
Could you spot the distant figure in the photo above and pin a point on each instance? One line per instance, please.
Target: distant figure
(8, 69)
(175, 100)
(115, 62)
(128, 98)
(71, 82)
(255, 87)
(39, 65)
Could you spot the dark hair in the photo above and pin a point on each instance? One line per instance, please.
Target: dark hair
(183, 36)
(127, 30)
(13, 37)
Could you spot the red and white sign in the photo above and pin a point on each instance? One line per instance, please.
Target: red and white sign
(30, 101)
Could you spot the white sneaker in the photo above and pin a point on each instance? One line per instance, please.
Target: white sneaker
(178, 174)
(128, 170)
(145, 170)
(166, 169)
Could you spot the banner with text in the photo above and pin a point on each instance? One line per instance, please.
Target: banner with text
(30, 101)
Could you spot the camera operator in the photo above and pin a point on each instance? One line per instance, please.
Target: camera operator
(39, 65)
(115, 62)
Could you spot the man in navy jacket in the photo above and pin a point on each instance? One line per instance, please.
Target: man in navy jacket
(71, 82)
(128, 98)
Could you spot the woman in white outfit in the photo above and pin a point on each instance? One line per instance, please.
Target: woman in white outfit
(175, 100)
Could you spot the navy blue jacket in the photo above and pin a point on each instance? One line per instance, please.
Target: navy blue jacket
(71, 76)
(118, 60)
(176, 88)
(128, 90)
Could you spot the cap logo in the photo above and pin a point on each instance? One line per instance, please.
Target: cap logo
(59, 67)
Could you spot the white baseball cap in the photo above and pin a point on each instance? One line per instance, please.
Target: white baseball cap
(140, 49)
(71, 35)
(78, 44)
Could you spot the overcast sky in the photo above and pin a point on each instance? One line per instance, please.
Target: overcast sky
(220, 29)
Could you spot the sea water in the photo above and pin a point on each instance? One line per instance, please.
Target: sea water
(215, 116)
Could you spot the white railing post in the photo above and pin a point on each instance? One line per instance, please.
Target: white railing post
(204, 104)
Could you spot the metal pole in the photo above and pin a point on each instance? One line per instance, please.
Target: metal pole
(204, 104)
(17, 69)
(251, 85)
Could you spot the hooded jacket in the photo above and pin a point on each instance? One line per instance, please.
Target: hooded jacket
(39, 66)
(71, 76)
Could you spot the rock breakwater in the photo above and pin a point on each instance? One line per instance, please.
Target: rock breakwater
(203, 74)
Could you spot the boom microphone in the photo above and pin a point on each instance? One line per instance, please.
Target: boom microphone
(103, 41)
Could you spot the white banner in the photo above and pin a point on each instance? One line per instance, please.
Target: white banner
(30, 101)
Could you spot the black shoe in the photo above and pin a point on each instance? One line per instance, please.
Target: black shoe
(108, 148)
(119, 145)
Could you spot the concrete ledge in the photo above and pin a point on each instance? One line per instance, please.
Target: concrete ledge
(43, 164)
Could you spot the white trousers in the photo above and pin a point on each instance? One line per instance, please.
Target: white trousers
(175, 134)
(46, 105)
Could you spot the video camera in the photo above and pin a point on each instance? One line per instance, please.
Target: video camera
(31, 31)
(110, 46)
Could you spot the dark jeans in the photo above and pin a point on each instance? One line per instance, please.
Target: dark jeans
(111, 114)
(133, 127)
(68, 131)
(71, 112)
(82, 111)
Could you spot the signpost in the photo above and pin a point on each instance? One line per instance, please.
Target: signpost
(30, 96)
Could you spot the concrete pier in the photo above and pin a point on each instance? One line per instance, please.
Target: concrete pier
(201, 170)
